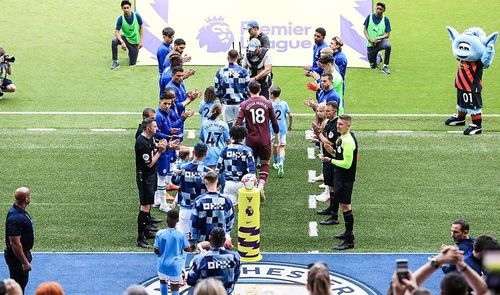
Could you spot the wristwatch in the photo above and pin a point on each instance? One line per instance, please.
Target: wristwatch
(433, 261)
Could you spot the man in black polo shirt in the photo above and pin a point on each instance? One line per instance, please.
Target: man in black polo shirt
(147, 153)
(328, 136)
(344, 162)
(19, 238)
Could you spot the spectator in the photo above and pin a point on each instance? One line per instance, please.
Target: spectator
(460, 235)
(10, 287)
(227, 270)
(481, 245)
(318, 280)
(209, 286)
(135, 290)
(49, 288)
(130, 23)
(452, 284)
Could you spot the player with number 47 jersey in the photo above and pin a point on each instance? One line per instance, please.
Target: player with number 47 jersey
(257, 113)
(215, 134)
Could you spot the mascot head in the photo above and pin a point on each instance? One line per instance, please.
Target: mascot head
(473, 44)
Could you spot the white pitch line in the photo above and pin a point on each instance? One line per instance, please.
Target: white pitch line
(454, 131)
(395, 131)
(295, 114)
(108, 130)
(41, 129)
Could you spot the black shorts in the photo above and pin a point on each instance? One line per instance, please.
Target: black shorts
(469, 100)
(147, 187)
(328, 174)
(6, 82)
(343, 190)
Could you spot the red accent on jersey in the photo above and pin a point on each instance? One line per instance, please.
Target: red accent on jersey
(257, 113)
(469, 76)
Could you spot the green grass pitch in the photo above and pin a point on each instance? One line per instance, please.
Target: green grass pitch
(409, 186)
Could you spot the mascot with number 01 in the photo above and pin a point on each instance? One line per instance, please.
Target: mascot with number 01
(474, 50)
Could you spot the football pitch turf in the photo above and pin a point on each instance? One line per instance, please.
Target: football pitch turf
(409, 187)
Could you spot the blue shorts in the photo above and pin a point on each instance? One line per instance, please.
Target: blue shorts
(5, 83)
(163, 165)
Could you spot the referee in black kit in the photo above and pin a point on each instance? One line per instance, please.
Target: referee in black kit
(147, 153)
(19, 238)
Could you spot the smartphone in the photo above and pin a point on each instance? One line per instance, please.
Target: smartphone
(402, 269)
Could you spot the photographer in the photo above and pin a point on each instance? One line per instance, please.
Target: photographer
(6, 69)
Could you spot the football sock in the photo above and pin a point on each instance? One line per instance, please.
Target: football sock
(477, 119)
(275, 158)
(161, 188)
(334, 206)
(175, 292)
(461, 115)
(349, 222)
(282, 159)
(142, 219)
(164, 288)
(264, 171)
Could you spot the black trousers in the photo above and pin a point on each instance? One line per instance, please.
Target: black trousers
(16, 267)
(133, 50)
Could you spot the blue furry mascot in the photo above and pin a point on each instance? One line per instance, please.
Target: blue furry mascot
(474, 50)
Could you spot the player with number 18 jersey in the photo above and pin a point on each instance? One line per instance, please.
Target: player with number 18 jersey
(257, 113)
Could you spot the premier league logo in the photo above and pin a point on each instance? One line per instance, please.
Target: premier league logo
(216, 35)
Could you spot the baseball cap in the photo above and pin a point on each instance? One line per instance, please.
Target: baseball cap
(253, 44)
(251, 24)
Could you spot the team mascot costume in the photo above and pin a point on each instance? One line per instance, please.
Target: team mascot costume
(474, 50)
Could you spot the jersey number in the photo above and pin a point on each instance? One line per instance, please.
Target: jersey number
(467, 97)
(258, 115)
(205, 112)
(213, 138)
(278, 114)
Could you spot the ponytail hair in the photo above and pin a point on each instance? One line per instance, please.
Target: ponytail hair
(215, 111)
(318, 280)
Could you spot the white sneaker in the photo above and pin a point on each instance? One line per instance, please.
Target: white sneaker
(322, 198)
(165, 207)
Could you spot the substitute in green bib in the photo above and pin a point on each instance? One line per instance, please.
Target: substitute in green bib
(377, 31)
(131, 35)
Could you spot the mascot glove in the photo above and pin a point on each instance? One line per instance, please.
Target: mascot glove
(312, 86)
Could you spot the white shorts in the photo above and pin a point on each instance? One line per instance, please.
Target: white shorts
(230, 112)
(184, 219)
(231, 190)
(176, 280)
(278, 139)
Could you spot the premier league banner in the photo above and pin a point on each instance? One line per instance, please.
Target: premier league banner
(211, 28)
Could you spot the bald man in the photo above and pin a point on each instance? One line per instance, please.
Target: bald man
(19, 238)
